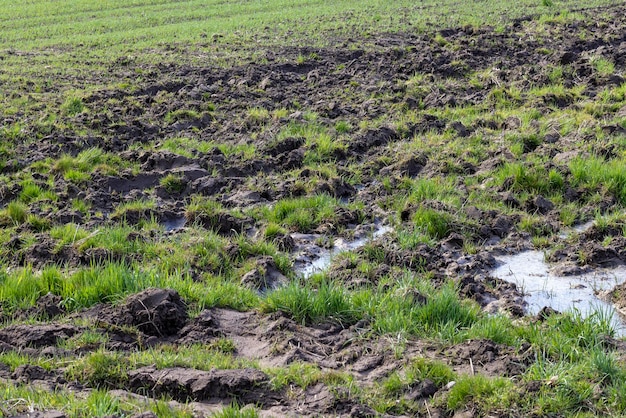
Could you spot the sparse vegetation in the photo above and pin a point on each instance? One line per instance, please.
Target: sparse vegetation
(173, 183)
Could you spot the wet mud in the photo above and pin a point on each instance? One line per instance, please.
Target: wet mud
(339, 83)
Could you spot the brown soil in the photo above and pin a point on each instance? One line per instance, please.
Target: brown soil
(160, 316)
(273, 341)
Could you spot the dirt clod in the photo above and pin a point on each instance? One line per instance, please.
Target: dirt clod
(424, 389)
(247, 385)
(265, 275)
(156, 312)
(36, 336)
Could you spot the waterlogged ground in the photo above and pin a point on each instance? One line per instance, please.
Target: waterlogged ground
(334, 231)
(584, 292)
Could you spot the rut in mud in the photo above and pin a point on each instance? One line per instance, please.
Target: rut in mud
(238, 137)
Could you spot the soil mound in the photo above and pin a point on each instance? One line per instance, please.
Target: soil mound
(48, 306)
(36, 336)
(184, 384)
(155, 312)
(264, 276)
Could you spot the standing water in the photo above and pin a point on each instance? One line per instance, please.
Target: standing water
(324, 257)
(530, 273)
(173, 224)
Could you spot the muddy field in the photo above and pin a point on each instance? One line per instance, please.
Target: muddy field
(453, 110)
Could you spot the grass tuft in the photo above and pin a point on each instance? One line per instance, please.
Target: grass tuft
(478, 389)
(308, 304)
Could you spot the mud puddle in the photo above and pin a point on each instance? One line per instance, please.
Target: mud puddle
(314, 258)
(172, 224)
(576, 229)
(529, 271)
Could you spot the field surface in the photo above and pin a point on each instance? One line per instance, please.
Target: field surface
(279, 208)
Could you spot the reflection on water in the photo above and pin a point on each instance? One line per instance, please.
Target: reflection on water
(309, 267)
(174, 223)
(530, 273)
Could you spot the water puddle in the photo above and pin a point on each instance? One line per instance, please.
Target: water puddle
(173, 224)
(531, 274)
(315, 258)
(576, 229)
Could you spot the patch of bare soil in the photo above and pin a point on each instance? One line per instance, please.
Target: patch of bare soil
(339, 83)
(271, 340)
(488, 358)
(595, 248)
(314, 85)
(618, 297)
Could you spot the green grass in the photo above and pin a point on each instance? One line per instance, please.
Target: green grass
(73, 106)
(75, 78)
(416, 371)
(156, 21)
(524, 178)
(442, 316)
(208, 213)
(329, 301)
(111, 283)
(180, 115)
(597, 173)
(324, 148)
(173, 183)
(88, 161)
(99, 369)
(98, 403)
(304, 214)
(435, 224)
(302, 375)
(258, 115)
(83, 288)
(69, 234)
(217, 355)
(140, 208)
(15, 213)
(32, 192)
(235, 411)
(603, 66)
(186, 146)
(478, 389)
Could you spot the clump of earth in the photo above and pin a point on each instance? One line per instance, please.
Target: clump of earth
(376, 80)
